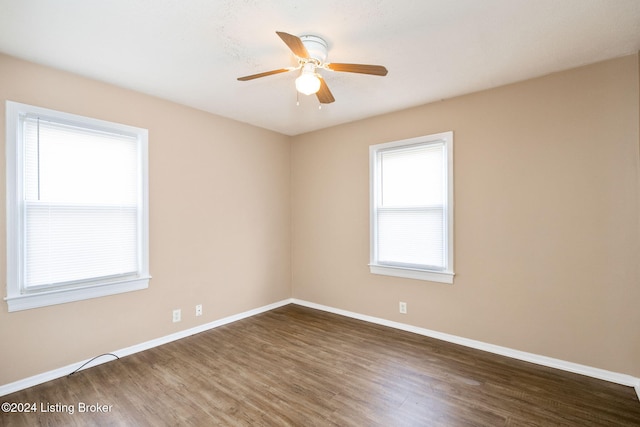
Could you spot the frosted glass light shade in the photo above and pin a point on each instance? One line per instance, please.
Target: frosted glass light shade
(308, 83)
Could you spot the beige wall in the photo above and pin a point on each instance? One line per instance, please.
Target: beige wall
(547, 235)
(219, 224)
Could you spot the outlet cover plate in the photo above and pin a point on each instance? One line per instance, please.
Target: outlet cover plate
(403, 307)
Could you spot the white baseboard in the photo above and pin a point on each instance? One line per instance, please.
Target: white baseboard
(601, 374)
(66, 370)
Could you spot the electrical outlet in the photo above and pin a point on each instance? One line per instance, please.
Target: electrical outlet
(177, 315)
(403, 307)
(199, 310)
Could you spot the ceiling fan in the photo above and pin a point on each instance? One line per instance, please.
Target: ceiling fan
(311, 53)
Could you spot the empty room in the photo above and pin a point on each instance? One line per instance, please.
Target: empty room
(339, 213)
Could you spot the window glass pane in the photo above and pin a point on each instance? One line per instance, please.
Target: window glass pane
(67, 164)
(412, 176)
(71, 243)
(411, 237)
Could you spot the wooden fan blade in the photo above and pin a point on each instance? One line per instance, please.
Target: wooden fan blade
(376, 70)
(294, 43)
(324, 94)
(265, 74)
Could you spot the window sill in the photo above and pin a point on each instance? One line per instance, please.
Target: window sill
(409, 273)
(61, 296)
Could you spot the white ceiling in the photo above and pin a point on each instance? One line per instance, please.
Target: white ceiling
(192, 51)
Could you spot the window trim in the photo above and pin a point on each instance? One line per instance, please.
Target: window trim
(445, 275)
(18, 299)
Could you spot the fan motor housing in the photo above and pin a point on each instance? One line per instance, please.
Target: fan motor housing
(316, 46)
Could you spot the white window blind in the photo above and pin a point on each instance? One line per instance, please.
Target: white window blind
(81, 193)
(411, 207)
(77, 198)
(411, 204)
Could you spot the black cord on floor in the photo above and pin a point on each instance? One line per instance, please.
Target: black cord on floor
(89, 361)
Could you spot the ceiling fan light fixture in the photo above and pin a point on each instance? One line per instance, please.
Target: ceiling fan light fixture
(308, 82)
(311, 54)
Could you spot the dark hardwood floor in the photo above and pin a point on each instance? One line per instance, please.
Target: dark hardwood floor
(295, 366)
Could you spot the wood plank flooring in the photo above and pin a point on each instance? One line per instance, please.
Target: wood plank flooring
(295, 366)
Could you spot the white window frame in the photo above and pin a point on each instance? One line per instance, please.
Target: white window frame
(445, 275)
(17, 298)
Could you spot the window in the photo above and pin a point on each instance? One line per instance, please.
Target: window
(77, 209)
(412, 208)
